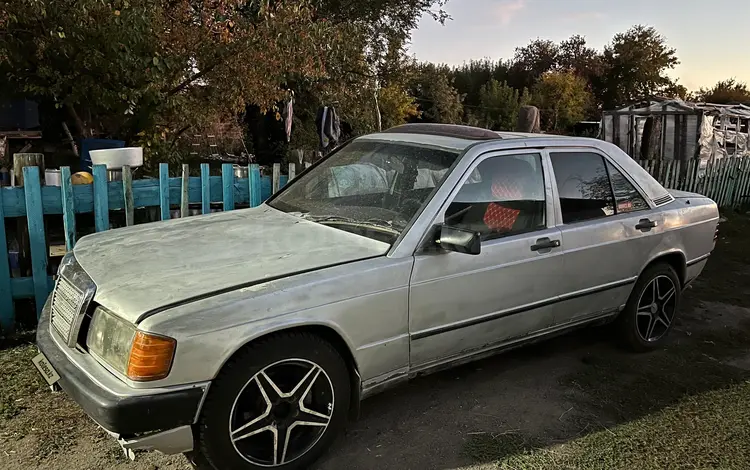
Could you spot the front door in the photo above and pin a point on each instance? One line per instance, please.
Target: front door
(459, 303)
(608, 231)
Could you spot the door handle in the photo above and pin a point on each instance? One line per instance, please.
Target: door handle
(644, 225)
(545, 244)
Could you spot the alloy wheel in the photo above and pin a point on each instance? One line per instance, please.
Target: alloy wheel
(281, 412)
(656, 308)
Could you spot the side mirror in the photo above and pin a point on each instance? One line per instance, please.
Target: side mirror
(459, 240)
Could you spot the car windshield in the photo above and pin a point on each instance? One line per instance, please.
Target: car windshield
(372, 188)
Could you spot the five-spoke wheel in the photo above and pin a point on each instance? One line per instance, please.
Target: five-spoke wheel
(650, 311)
(278, 404)
(272, 427)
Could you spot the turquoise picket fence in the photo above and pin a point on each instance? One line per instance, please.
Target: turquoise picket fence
(35, 201)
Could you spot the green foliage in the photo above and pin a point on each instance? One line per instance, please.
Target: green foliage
(562, 98)
(634, 67)
(438, 99)
(499, 105)
(725, 92)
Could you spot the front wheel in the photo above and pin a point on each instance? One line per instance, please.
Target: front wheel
(651, 308)
(278, 404)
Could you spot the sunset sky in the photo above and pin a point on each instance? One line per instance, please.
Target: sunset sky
(712, 38)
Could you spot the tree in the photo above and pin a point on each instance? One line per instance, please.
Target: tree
(438, 100)
(562, 98)
(532, 61)
(143, 69)
(634, 67)
(499, 105)
(396, 106)
(725, 92)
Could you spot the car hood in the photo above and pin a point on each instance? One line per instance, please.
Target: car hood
(152, 266)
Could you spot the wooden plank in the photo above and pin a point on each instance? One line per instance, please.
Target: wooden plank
(227, 187)
(164, 190)
(733, 181)
(711, 178)
(276, 178)
(745, 187)
(23, 287)
(662, 170)
(668, 174)
(745, 178)
(68, 206)
(101, 198)
(145, 194)
(721, 181)
(677, 178)
(692, 174)
(37, 239)
(7, 314)
(127, 195)
(205, 188)
(256, 197)
(185, 198)
(292, 171)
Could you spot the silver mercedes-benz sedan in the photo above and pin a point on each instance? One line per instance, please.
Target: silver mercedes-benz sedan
(247, 339)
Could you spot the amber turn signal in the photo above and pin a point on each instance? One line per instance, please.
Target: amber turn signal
(150, 357)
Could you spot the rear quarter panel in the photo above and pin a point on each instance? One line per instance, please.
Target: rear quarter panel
(689, 225)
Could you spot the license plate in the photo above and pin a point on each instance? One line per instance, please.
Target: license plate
(45, 368)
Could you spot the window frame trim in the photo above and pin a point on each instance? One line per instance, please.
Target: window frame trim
(549, 203)
(614, 194)
(558, 206)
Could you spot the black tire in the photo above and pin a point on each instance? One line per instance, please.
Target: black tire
(630, 325)
(214, 446)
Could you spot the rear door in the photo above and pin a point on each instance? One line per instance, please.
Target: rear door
(608, 230)
(460, 304)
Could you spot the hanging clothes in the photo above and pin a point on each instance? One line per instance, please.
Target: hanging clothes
(288, 117)
(320, 123)
(328, 127)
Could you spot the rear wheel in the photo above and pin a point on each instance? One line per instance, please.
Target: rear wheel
(650, 312)
(278, 404)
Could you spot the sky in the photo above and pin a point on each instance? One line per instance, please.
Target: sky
(712, 38)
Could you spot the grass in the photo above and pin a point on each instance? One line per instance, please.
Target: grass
(706, 431)
(21, 380)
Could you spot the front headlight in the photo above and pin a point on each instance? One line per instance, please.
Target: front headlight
(135, 354)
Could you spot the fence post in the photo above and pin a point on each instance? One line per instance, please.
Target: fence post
(101, 198)
(254, 181)
(205, 188)
(32, 189)
(127, 194)
(185, 199)
(7, 314)
(164, 190)
(227, 183)
(276, 178)
(68, 208)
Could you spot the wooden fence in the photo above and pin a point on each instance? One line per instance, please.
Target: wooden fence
(726, 181)
(34, 201)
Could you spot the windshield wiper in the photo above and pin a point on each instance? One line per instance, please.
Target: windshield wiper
(373, 222)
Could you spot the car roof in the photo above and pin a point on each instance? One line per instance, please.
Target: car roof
(460, 138)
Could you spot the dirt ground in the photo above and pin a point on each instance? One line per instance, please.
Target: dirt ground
(574, 402)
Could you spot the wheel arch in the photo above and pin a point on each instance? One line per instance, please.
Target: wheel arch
(329, 334)
(675, 258)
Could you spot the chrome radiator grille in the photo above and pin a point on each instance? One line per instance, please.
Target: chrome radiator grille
(67, 304)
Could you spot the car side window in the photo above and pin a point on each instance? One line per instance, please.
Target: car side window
(503, 196)
(627, 197)
(583, 186)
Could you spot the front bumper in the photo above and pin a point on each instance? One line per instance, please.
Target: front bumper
(126, 415)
